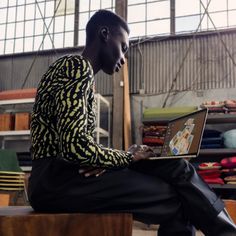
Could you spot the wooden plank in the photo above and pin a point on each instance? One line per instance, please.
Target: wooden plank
(127, 115)
(22, 221)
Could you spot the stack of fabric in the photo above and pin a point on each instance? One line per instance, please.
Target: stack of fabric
(229, 170)
(212, 139)
(154, 135)
(214, 107)
(231, 106)
(210, 172)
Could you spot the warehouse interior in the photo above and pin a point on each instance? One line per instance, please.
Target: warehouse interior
(181, 58)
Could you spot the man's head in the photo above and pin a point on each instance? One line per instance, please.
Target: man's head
(110, 34)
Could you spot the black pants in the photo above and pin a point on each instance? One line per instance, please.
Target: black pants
(165, 192)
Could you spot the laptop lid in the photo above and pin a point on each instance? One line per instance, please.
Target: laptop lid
(183, 136)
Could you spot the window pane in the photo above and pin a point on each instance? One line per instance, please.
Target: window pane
(40, 10)
(82, 38)
(12, 3)
(29, 28)
(37, 42)
(189, 23)
(9, 46)
(47, 43)
(60, 8)
(136, 1)
(137, 29)
(59, 24)
(38, 27)
(186, 7)
(158, 10)
(3, 15)
(20, 2)
(217, 5)
(11, 14)
(69, 39)
(106, 3)
(83, 5)
(20, 13)
(2, 30)
(31, 1)
(158, 27)
(232, 4)
(49, 9)
(70, 22)
(10, 30)
(1, 47)
(94, 5)
(49, 24)
(3, 3)
(136, 13)
(219, 19)
(83, 19)
(232, 18)
(19, 29)
(19, 45)
(30, 12)
(70, 6)
(58, 40)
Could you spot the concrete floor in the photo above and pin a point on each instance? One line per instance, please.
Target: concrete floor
(140, 229)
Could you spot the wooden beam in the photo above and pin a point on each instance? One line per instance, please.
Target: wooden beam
(127, 113)
(118, 91)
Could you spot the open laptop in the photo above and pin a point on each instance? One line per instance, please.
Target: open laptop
(183, 136)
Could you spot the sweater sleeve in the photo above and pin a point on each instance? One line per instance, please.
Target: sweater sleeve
(76, 143)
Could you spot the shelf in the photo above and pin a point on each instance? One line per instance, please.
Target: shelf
(17, 101)
(211, 119)
(14, 133)
(224, 186)
(224, 118)
(218, 151)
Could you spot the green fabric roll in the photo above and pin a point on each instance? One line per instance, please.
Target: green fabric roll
(8, 161)
(168, 112)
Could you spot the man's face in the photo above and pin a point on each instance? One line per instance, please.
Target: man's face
(113, 52)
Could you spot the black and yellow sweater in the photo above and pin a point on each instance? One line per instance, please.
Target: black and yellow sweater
(63, 118)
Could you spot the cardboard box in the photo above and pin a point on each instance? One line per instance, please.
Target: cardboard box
(6, 122)
(22, 121)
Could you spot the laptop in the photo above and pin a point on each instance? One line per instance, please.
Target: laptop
(183, 136)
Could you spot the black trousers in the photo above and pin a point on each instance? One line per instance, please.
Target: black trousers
(165, 192)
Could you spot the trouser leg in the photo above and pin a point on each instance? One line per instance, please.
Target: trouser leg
(201, 204)
(150, 199)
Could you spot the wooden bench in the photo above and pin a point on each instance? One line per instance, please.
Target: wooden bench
(23, 221)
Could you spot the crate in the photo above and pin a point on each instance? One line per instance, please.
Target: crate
(6, 122)
(22, 121)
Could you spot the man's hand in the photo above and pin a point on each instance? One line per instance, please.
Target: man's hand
(91, 171)
(140, 152)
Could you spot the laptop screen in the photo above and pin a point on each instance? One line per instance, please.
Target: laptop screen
(184, 134)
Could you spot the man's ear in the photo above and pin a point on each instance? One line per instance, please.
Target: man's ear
(104, 33)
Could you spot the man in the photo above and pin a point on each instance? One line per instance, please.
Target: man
(72, 173)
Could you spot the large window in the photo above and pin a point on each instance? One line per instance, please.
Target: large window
(86, 9)
(29, 25)
(189, 14)
(32, 25)
(148, 17)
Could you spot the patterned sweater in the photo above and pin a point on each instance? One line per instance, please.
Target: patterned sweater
(63, 117)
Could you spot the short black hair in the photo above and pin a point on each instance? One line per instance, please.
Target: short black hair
(103, 18)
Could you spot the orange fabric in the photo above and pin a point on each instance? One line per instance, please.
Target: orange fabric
(18, 94)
